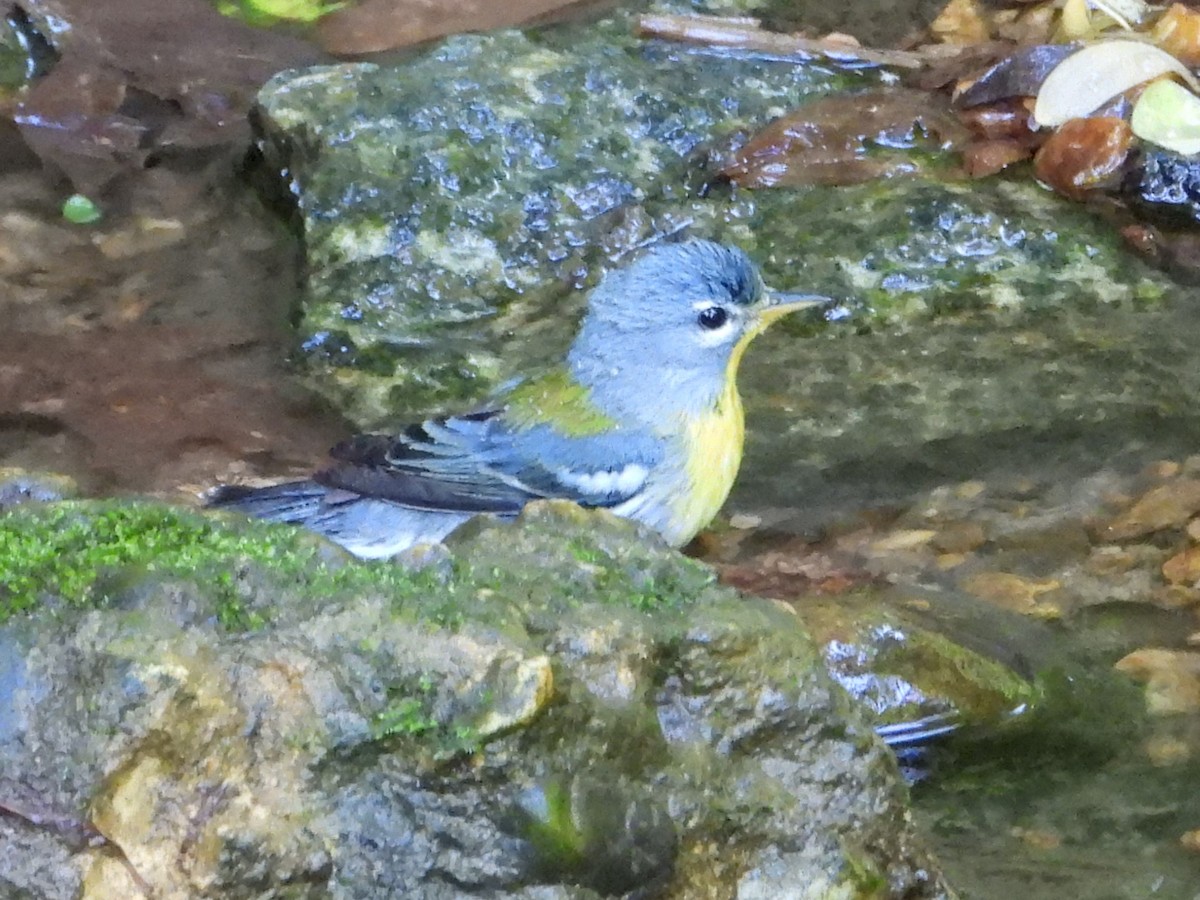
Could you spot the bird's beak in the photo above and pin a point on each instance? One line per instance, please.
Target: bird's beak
(780, 304)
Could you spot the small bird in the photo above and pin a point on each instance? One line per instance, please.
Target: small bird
(643, 419)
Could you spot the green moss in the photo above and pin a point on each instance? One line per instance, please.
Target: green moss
(407, 716)
(89, 552)
(551, 828)
(866, 880)
(411, 715)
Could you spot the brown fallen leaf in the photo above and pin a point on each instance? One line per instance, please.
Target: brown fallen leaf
(372, 26)
(1084, 155)
(845, 139)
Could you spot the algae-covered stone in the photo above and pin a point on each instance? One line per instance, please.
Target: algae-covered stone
(452, 203)
(561, 702)
(925, 663)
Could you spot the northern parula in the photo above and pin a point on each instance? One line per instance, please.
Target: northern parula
(643, 419)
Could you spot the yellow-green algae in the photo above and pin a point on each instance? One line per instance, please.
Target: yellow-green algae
(86, 552)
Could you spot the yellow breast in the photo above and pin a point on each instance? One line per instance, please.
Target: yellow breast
(713, 444)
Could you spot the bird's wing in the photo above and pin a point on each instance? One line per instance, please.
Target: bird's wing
(483, 463)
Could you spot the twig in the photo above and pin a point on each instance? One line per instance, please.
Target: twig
(745, 34)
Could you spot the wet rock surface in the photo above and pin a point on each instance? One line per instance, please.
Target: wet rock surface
(256, 710)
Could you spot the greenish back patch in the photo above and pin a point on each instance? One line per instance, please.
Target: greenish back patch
(558, 400)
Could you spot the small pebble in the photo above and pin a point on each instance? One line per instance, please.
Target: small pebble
(1164, 468)
(969, 490)
(903, 540)
(1172, 678)
(1167, 751)
(959, 537)
(1110, 561)
(1175, 596)
(1008, 590)
(1190, 840)
(1166, 506)
(950, 560)
(744, 521)
(1183, 567)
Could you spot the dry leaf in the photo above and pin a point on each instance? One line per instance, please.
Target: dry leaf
(1099, 72)
(827, 141)
(1168, 114)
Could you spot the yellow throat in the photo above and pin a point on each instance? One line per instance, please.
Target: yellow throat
(713, 441)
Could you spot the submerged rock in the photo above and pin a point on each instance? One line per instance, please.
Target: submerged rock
(236, 709)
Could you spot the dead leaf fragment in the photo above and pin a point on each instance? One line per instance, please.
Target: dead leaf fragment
(961, 22)
(1178, 32)
(828, 141)
(1084, 155)
(985, 158)
(1004, 136)
(1086, 80)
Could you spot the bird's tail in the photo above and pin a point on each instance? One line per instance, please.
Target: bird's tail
(295, 502)
(367, 527)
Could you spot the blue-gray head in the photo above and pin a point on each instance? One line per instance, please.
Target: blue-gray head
(672, 327)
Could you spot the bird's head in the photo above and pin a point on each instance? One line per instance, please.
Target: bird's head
(678, 319)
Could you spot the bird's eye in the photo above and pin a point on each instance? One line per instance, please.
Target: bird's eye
(713, 317)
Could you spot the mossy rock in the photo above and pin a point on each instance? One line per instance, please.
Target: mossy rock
(561, 701)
